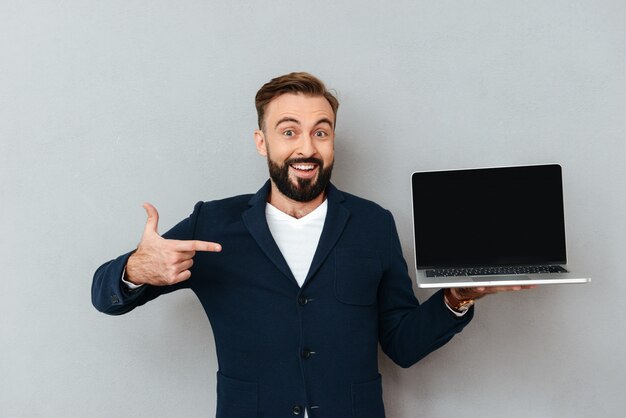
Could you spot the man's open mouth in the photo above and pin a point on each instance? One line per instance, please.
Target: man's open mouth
(303, 167)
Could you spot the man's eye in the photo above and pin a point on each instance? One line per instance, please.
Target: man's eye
(288, 132)
(321, 134)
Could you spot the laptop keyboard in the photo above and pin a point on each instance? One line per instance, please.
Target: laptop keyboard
(486, 271)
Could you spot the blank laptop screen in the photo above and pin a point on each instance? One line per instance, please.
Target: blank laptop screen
(489, 217)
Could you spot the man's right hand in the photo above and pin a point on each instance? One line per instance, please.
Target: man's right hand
(159, 261)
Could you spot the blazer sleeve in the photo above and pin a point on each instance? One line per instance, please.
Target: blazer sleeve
(109, 295)
(408, 330)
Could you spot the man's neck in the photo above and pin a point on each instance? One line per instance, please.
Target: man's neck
(292, 207)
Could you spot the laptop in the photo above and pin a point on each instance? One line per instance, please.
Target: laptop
(500, 226)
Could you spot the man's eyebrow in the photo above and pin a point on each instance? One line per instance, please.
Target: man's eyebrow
(325, 120)
(287, 119)
(297, 122)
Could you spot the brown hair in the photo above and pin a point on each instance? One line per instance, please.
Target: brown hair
(300, 82)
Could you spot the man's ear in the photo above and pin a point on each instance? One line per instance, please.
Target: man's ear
(259, 140)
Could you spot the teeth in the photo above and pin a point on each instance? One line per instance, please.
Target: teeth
(305, 167)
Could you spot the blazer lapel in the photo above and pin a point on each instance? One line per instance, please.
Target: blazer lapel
(336, 219)
(254, 219)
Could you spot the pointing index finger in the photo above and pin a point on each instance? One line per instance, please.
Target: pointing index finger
(196, 245)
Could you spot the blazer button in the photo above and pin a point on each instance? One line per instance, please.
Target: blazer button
(302, 301)
(297, 410)
(306, 354)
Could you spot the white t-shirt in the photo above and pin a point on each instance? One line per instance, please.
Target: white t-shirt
(297, 239)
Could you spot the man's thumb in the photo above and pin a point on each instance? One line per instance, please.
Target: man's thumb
(152, 224)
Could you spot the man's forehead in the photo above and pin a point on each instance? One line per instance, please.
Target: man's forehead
(298, 105)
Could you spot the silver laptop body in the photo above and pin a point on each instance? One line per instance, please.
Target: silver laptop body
(496, 226)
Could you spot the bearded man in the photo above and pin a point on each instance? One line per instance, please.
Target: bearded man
(300, 281)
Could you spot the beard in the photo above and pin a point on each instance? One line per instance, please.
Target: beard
(306, 189)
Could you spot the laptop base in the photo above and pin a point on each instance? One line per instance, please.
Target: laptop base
(424, 282)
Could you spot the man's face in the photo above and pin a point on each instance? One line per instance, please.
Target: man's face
(298, 141)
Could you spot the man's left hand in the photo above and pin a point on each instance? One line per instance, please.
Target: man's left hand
(464, 293)
(459, 299)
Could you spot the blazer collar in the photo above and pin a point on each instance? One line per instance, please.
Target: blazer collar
(336, 219)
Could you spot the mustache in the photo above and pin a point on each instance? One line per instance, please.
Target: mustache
(311, 160)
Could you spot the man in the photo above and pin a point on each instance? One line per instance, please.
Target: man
(300, 281)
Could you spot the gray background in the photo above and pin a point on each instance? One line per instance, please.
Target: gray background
(106, 104)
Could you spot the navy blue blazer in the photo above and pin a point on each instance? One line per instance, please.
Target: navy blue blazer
(282, 348)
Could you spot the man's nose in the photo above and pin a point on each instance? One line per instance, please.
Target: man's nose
(307, 146)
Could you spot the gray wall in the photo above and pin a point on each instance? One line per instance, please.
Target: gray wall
(106, 104)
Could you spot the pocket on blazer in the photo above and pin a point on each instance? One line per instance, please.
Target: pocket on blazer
(367, 399)
(357, 275)
(236, 398)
